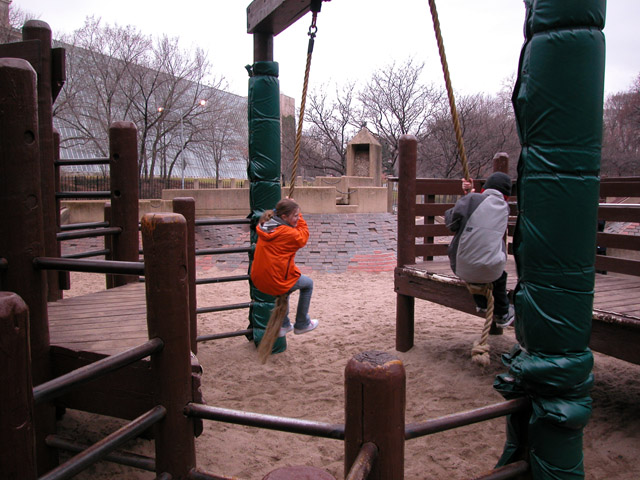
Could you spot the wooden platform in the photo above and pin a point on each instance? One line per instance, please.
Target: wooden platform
(616, 309)
(104, 322)
(87, 328)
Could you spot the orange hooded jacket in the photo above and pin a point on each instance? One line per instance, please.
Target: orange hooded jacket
(273, 270)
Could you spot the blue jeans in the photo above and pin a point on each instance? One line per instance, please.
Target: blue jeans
(305, 285)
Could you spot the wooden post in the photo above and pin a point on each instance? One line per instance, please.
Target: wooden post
(39, 30)
(501, 162)
(164, 238)
(262, 47)
(186, 206)
(375, 399)
(17, 440)
(408, 154)
(21, 225)
(64, 279)
(123, 164)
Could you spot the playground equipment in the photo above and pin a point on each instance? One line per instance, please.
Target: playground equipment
(174, 416)
(167, 397)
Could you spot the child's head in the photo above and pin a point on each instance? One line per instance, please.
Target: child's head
(288, 210)
(499, 181)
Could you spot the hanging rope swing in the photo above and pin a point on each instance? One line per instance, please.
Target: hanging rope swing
(313, 30)
(282, 301)
(481, 348)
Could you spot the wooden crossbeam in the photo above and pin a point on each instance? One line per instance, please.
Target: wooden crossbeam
(274, 16)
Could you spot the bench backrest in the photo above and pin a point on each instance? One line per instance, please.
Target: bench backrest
(618, 252)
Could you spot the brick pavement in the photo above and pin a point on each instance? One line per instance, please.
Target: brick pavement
(338, 243)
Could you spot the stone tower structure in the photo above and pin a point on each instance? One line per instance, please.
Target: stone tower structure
(364, 157)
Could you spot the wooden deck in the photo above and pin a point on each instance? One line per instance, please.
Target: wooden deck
(105, 322)
(616, 309)
(85, 329)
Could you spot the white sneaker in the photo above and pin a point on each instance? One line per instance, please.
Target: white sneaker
(285, 330)
(312, 325)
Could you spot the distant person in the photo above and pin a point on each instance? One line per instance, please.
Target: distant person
(281, 233)
(478, 252)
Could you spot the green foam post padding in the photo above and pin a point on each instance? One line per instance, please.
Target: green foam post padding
(558, 102)
(264, 174)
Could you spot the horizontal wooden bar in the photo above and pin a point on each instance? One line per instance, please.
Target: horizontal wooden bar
(95, 232)
(614, 240)
(222, 251)
(619, 212)
(461, 419)
(88, 195)
(431, 249)
(92, 266)
(232, 278)
(64, 162)
(59, 386)
(270, 422)
(218, 336)
(274, 16)
(620, 187)
(121, 458)
(223, 308)
(222, 221)
(90, 253)
(82, 226)
(432, 230)
(432, 209)
(620, 265)
(104, 447)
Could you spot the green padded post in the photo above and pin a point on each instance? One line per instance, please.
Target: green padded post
(264, 174)
(558, 101)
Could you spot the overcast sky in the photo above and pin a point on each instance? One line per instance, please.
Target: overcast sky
(482, 38)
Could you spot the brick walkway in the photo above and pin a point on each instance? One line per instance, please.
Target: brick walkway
(338, 243)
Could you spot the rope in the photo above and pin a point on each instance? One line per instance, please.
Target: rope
(481, 348)
(305, 84)
(273, 327)
(447, 81)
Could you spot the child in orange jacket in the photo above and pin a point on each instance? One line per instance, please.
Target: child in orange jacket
(281, 233)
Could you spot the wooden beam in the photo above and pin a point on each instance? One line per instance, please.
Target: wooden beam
(274, 16)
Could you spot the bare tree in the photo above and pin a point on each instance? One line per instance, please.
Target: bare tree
(224, 134)
(11, 21)
(396, 102)
(488, 126)
(98, 60)
(117, 73)
(621, 133)
(333, 123)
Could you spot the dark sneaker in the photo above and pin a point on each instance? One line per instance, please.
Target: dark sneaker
(505, 320)
(312, 325)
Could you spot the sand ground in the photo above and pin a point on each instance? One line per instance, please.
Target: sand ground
(357, 313)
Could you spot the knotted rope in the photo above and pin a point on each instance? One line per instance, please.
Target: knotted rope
(480, 349)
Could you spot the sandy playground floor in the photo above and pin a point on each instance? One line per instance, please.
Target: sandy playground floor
(357, 313)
